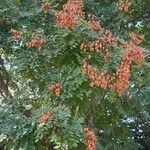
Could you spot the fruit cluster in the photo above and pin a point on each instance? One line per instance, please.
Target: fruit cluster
(36, 43)
(120, 80)
(68, 17)
(46, 7)
(136, 39)
(125, 6)
(95, 26)
(91, 139)
(134, 53)
(96, 78)
(100, 44)
(16, 35)
(55, 88)
(45, 117)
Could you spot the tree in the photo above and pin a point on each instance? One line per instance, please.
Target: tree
(73, 75)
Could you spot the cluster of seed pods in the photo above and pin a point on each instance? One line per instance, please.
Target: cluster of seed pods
(16, 35)
(119, 81)
(98, 45)
(72, 11)
(68, 17)
(46, 7)
(97, 79)
(94, 25)
(36, 42)
(55, 88)
(133, 53)
(91, 139)
(45, 117)
(136, 39)
(125, 6)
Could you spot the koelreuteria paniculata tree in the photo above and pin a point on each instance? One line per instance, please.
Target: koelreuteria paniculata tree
(72, 75)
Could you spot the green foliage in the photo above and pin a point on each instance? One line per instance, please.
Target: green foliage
(30, 72)
(20, 124)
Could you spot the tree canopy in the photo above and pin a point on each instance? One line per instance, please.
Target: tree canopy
(74, 74)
